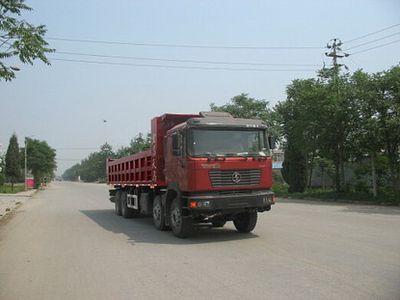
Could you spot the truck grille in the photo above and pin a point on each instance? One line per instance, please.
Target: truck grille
(221, 178)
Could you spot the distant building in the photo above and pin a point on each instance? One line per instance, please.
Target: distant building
(277, 158)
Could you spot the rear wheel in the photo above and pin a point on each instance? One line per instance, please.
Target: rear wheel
(245, 222)
(126, 212)
(117, 202)
(181, 226)
(158, 213)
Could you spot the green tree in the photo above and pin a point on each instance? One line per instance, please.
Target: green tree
(341, 120)
(301, 118)
(366, 137)
(92, 168)
(138, 144)
(388, 116)
(13, 170)
(41, 159)
(243, 106)
(19, 38)
(2, 169)
(72, 173)
(294, 168)
(101, 158)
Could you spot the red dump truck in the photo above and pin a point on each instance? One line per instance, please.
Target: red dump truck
(201, 168)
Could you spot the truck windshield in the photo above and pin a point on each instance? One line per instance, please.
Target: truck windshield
(223, 142)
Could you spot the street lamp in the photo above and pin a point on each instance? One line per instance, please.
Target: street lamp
(105, 129)
(1, 157)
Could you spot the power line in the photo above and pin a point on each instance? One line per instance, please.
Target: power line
(182, 45)
(371, 33)
(379, 46)
(69, 159)
(181, 67)
(373, 41)
(76, 148)
(186, 60)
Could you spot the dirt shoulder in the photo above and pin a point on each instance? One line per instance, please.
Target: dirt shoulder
(9, 202)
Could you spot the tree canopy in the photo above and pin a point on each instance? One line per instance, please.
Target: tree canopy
(138, 144)
(19, 38)
(334, 120)
(2, 169)
(243, 106)
(41, 160)
(13, 170)
(345, 118)
(93, 167)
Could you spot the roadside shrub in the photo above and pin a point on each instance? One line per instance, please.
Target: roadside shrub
(2, 179)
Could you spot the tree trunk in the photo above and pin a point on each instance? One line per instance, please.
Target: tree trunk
(373, 174)
(393, 169)
(337, 175)
(342, 174)
(312, 160)
(311, 169)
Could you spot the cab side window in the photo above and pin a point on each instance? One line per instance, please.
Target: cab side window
(177, 144)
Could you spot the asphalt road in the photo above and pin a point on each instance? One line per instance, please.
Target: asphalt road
(67, 243)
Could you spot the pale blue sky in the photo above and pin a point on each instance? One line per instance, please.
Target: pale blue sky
(66, 102)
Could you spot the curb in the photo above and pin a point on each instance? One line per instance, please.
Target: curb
(20, 194)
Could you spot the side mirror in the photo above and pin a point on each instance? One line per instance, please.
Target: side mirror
(177, 144)
(271, 142)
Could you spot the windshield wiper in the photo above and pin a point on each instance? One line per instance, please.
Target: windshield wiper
(253, 154)
(231, 154)
(206, 154)
(257, 155)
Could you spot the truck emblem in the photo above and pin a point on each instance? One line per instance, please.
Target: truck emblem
(236, 177)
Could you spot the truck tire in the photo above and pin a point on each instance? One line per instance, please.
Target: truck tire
(218, 223)
(126, 212)
(245, 222)
(117, 202)
(181, 226)
(158, 213)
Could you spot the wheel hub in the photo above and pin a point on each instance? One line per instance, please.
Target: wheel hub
(176, 217)
(157, 212)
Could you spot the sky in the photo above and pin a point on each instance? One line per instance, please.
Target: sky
(66, 103)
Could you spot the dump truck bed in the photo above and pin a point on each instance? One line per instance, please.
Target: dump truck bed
(131, 170)
(147, 167)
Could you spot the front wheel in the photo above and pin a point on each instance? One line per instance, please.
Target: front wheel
(181, 226)
(245, 222)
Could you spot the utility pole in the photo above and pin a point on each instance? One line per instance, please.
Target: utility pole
(336, 52)
(26, 160)
(105, 129)
(26, 164)
(1, 157)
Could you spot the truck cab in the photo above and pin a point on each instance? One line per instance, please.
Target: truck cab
(221, 168)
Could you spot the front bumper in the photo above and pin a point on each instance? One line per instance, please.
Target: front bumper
(230, 200)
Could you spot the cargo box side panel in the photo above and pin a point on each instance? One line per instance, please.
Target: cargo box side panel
(130, 170)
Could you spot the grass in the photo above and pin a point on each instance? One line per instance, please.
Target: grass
(329, 194)
(6, 188)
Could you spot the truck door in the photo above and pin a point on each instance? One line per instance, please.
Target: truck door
(175, 160)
